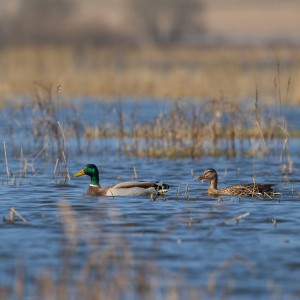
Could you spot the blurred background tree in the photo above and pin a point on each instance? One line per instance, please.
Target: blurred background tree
(98, 22)
(162, 22)
(35, 21)
(168, 21)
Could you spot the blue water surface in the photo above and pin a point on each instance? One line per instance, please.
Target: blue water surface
(186, 240)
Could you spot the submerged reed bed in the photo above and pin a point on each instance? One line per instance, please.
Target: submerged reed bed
(195, 129)
(188, 129)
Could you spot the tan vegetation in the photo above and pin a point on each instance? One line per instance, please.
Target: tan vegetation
(202, 73)
(214, 128)
(189, 129)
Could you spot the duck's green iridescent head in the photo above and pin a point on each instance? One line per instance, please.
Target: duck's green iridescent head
(90, 170)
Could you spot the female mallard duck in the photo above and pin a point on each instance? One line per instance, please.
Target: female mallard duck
(251, 189)
(132, 188)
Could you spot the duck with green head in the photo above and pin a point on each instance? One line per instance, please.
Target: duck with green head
(251, 189)
(130, 188)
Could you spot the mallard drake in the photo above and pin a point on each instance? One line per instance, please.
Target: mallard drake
(131, 188)
(252, 189)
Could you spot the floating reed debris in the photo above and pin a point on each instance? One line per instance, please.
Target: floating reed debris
(11, 216)
(237, 218)
(274, 222)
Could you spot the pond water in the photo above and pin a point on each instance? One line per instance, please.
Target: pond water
(183, 244)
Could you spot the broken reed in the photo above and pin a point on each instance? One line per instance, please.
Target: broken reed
(11, 217)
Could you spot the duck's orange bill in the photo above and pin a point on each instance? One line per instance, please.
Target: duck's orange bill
(200, 178)
(80, 173)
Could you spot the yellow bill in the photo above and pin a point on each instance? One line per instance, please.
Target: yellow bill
(80, 173)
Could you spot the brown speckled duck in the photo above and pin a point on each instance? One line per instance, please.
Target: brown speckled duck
(131, 188)
(252, 189)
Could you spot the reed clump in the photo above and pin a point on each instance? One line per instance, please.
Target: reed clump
(213, 128)
(189, 129)
(40, 133)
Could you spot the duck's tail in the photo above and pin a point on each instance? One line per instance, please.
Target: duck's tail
(161, 188)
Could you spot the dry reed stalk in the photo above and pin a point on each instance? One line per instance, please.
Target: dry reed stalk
(14, 180)
(134, 176)
(63, 135)
(58, 91)
(257, 120)
(55, 168)
(192, 173)
(285, 151)
(66, 165)
(26, 168)
(23, 165)
(21, 162)
(187, 195)
(6, 162)
(36, 157)
(278, 84)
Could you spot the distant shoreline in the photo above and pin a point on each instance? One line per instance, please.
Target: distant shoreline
(232, 73)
